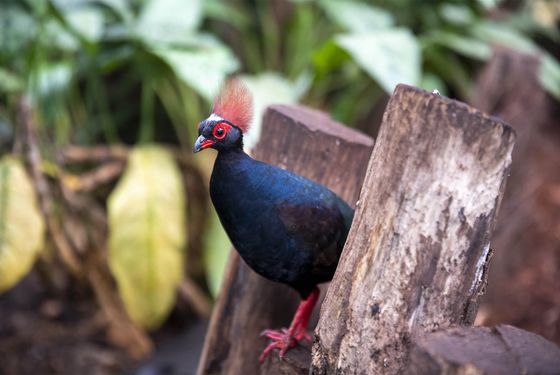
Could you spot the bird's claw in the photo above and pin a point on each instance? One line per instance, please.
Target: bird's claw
(283, 340)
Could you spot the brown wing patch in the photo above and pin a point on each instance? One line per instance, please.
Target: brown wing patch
(320, 230)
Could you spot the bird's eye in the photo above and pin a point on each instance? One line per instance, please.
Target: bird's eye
(220, 131)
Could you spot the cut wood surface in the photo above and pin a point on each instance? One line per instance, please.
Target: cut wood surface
(480, 350)
(417, 254)
(311, 144)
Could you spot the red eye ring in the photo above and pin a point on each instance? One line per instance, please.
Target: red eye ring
(220, 131)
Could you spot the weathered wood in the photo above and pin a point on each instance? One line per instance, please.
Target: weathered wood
(416, 256)
(523, 285)
(309, 143)
(479, 350)
(296, 362)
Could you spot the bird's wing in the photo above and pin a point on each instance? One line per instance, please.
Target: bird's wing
(319, 229)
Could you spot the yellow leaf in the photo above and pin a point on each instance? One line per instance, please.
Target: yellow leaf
(147, 234)
(21, 224)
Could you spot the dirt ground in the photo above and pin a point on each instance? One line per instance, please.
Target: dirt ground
(47, 334)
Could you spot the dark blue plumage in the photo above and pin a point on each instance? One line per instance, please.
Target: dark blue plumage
(286, 227)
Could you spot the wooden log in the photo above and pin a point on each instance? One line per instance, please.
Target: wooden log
(309, 143)
(480, 350)
(417, 253)
(523, 286)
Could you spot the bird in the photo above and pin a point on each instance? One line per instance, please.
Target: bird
(285, 227)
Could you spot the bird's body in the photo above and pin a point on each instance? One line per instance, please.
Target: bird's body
(286, 228)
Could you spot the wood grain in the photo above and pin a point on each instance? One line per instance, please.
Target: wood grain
(309, 143)
(417, 254)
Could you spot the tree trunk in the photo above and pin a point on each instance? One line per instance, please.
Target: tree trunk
(523, 282)
(309, 143)
(417, 254)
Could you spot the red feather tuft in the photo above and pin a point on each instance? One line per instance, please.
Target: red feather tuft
(235, 104)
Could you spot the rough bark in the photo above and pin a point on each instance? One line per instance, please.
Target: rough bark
(417, 254)
(311, 144)
(523, 282)
(480, 351)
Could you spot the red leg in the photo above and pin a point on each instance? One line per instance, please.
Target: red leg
(286, 339)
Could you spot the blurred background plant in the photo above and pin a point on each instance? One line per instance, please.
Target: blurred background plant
(87, 85)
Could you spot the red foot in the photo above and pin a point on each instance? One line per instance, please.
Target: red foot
(286, 339)
(283, 340)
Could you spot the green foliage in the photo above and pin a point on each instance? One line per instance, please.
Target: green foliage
(147, 234)
(389, 56)
(21, 223)
(145, 71)
(217, 248)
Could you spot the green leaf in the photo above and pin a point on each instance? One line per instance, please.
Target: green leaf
(119, 7)
(267, 88)
(489, 4)
(457, 14)
(356, 16)
(327, 58)
(222, 11)
(84, 18)
(470, 47)
(21, 224)
(549, 75)
(9, 82)
(495, 33)
(216, 251)
(202, 68)
(147, 234)
(389, 56)
(52, 79)
(17, 30)
(169, 21)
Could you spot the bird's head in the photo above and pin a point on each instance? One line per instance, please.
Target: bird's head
(230, 118)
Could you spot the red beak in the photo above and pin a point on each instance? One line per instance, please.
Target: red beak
(202, 143)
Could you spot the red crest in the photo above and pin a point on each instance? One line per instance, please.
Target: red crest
(235, 104)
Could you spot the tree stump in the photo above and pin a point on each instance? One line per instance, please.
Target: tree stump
(479, 350)
(309, 143)
(523, 283)
(418, 250)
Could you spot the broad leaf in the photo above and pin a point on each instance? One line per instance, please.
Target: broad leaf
(457, 14)
(52, 79)
(495, 33)
(147, 234)
(470, 47)
(21, 224)
(203, 67)
(169, 20)
(86, 19)
(9, 82)
(390, 56)
(357, 16)
(216, 252)
(549, 75)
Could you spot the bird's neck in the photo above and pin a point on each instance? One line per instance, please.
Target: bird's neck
(230, 165)
(230, 181)
(231, 156)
